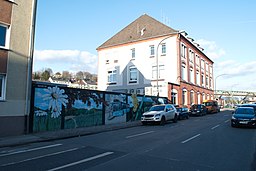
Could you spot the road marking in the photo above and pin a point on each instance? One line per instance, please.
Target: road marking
(29, 150)
(190, 138)
(215, 127)
(39, 157)
(227, 121)
(136, 135)
(82, 161)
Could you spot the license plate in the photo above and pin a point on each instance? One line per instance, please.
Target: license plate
(243, 122)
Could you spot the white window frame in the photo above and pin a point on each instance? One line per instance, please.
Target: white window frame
(197, 78)
(154, 72)
(112, 76)
(7, 36)
(183, 51)
(192, 97)
(184, 72)
(161, 71)
(191, 74)
(3, 86)
(191, 55)
(130, 81)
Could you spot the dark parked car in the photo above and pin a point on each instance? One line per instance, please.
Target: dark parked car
(197, 110)
(183, 112)
(244, 116)
(248, 105)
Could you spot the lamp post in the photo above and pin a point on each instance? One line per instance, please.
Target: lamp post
(157, 67)
(215, 82)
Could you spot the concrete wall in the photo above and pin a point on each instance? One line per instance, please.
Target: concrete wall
(15, 107)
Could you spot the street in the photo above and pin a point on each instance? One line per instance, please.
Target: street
(197, 144)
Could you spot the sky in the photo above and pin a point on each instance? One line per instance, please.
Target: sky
(68, 33)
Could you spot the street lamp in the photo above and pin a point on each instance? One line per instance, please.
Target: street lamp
(157, 67)
(215, 83)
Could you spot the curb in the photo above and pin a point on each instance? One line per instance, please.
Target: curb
(63, 134)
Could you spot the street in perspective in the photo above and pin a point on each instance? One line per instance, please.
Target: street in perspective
(198, 143)
(127, 85)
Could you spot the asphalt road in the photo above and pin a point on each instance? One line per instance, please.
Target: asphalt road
(197, 144)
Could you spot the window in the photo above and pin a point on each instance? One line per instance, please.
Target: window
(133, 74)
(3, 35)
(184, 95)
(191, 75)
(183, 51)
(191, 97)
(202, 79)
(183, 72)
(202, 64)
(161, 71)
(174, 97)
(206, 81)
(133, 53)
(152, 50)
(163, 48)
(112, 76)
(197, 60)
(2, 87)
(191, 56)
(210, 83)
(197, 78)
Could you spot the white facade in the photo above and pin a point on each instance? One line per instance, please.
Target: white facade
(120, 58)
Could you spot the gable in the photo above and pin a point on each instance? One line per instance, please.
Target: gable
(144, 27)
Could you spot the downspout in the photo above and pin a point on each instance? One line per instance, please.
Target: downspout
(30, 67)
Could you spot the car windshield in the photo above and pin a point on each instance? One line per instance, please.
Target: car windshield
(157, 108)
(179, 109)
(208, 104)
(245, 111)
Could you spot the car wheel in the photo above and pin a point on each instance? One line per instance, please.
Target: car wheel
(175, 119)
(187, 117)
(163, 120)
(233, 125)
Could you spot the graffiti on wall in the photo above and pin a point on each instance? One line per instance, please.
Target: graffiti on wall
(55, 107)
(58, 108)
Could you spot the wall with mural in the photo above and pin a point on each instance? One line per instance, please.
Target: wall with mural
(55, 107)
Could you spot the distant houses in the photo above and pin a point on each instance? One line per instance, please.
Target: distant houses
(75, 83)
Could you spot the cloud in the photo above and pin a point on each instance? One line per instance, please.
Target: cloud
(62, 60)
(211, 49)
(240, 74)
(235, 69)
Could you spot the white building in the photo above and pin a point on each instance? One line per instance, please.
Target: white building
(148, 57)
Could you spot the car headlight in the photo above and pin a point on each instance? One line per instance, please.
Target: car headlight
(234, 117)
(157, 115)
(253, 119)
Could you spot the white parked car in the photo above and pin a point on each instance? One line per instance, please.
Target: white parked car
(160, 114)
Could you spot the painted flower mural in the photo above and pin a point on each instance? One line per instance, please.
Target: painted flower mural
(56, 98)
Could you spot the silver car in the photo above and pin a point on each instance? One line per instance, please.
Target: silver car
(160, 114)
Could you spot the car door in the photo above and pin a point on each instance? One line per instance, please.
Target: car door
(168, 112)
(172, 112)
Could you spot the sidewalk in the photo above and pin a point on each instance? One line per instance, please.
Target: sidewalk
(62, 134)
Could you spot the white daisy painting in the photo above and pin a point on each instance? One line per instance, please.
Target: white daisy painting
(56, 98)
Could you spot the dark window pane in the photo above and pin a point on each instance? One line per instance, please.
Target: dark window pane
(2, 35)
(1, 86)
